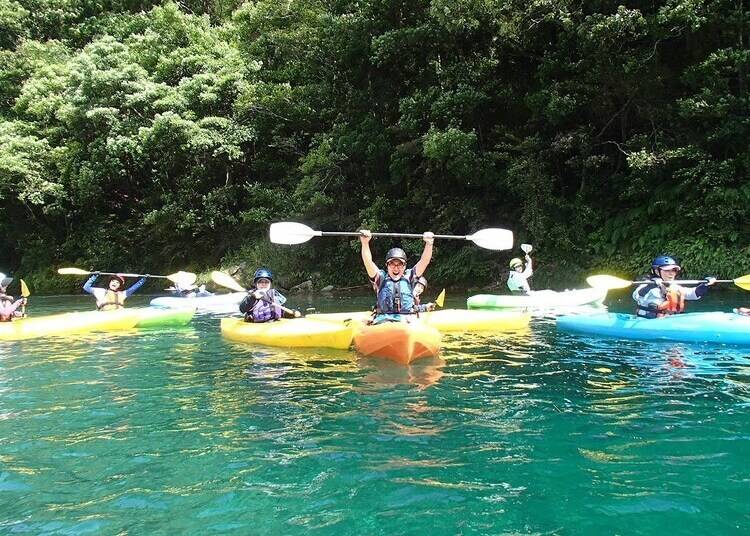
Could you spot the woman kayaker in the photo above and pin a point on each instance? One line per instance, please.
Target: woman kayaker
(394, 286)
(112, 297)
(262, 303)
(518, 276)
(659, 296)
(419, 286)
(8, 306)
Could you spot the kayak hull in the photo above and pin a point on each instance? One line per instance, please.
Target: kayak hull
(541, 299)
(289, 333)
(402, 342)
(219, 303)
(67, 324)
(712, 327)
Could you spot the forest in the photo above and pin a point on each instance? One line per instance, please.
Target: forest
(160, 136)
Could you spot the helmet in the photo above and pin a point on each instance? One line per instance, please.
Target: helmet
(5, 280)
(263, 273)
(662, 261)
(395, 253)
(422, 281)
(515, 262)
(118, 277)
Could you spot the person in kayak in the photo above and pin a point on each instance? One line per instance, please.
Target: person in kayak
(262, 303)
(518, 276)
(8, 306)
(419, 286)
(189, 291)
(112, 297)
(659, 296)
(394, 286)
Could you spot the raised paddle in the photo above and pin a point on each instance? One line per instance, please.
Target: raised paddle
(226, 280)
(24, 293)
(610, 282)
(296, 233)
(181, 278)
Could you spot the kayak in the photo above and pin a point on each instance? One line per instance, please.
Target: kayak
(82, 322)
(402, 342)
(446, 320)
(218, 303)
(538, 299)
(153, 317)
(714, 327)
(289, 333)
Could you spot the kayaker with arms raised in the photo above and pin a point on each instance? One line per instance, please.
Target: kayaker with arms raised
(112, 297)
(660, 297)
(262, 303)
(394, 286)
(518, 276)
(8, 306)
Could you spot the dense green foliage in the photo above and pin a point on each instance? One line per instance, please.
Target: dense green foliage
(158, 136)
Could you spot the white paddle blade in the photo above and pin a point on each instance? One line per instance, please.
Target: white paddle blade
(607, 282)
(183, 279)
(289, 233)
(526, 248)
(226, 280)
(497, 239)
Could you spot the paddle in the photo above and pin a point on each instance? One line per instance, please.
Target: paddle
(440, 300)
(610, 282)
(226, 280)
(24, 293)
(296, 233)
(181, 278)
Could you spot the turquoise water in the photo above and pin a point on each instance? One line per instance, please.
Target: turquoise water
(180, 431)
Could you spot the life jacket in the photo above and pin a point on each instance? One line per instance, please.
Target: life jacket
(673, 304)
(395, 297)
(263, 311)
(112, 301)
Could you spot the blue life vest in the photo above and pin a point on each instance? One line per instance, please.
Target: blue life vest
(396, 297)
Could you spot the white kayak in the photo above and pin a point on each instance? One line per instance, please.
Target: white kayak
(538, 299)
(218, 303)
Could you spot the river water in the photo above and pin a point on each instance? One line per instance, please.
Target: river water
(535, 432)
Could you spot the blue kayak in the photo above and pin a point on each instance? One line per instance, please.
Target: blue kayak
(727, 328)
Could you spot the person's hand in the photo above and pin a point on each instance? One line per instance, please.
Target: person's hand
(297, 314)
(710, 280)
(365, 236)
(147, 276)
(97, 273)
(428, 237)
(259, 294)
(23, 301)
(430, 307)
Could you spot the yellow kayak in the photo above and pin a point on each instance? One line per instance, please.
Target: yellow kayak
(402, 342)
(67, 324)
(447, 320)
(290, 333)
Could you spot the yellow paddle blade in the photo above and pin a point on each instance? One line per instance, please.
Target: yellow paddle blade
(24, 289)
(440, 300)
(743, 282)
(183, 279)
(607, 281)
(226, 280)
(72, 271)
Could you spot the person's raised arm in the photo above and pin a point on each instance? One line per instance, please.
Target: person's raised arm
(364, 239)
(424, 260)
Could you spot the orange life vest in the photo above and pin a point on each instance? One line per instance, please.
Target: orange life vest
(112, 301)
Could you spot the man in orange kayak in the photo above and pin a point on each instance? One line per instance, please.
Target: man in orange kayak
(394, 286)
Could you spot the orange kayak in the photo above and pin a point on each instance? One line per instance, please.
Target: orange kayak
(401, 342)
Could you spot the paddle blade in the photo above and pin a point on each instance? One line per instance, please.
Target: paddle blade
(183, 279)
(607, 282)
(72, 271)
(226, 280)
(743, 282)
(440, 300)
(24, 289)
(290, 233)
(492, 238)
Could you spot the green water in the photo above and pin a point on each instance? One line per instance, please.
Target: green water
(180, 431)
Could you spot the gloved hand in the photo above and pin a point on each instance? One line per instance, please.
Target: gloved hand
(259, 294)
(710, 280)
(297, 314)
(430, 306)
(428, 237)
